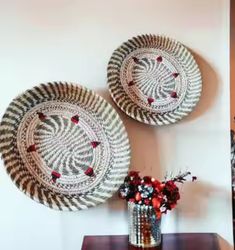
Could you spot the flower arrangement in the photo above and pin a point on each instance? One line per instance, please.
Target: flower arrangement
(161, 195)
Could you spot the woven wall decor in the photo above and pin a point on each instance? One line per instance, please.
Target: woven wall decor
(154, 79)
(64, 146)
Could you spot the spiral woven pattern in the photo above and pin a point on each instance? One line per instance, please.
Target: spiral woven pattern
(64, 146)
(154, 79)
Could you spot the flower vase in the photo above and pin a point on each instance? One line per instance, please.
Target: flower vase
(144, 227)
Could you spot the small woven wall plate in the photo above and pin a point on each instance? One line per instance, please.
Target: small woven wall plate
(64, 146)
(154, 79)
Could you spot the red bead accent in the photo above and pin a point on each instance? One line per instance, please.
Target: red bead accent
(41, 116)
(131, 83)
(174, 94)
(31, 148)
(89, 171)
(136, 60)
(159, 59)
(175, 74)
(95, 144)
(75, 119)
(55, 175)
(150, 100)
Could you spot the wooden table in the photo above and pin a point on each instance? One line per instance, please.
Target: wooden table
(181, 241)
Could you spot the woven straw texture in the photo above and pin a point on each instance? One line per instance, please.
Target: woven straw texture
(154, 79)
(64, 146)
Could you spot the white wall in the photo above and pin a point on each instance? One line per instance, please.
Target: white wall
(72, 40)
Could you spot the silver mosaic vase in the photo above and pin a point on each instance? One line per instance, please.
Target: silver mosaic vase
(144, 227)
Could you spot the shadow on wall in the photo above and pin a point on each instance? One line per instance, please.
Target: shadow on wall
(145, 150)
(223, 244)
(210, 86)
(200, 193)
(145, 153)
(194, 204)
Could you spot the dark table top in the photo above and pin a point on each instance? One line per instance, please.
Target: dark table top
(181, 241)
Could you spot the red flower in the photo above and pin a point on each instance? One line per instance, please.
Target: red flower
(158, 186)
(134, 173)
(135, 181)
(170, 185)
(147, 180)
(163, 196)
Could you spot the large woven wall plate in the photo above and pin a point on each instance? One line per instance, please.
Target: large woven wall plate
(154, 79)
(64, 146)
